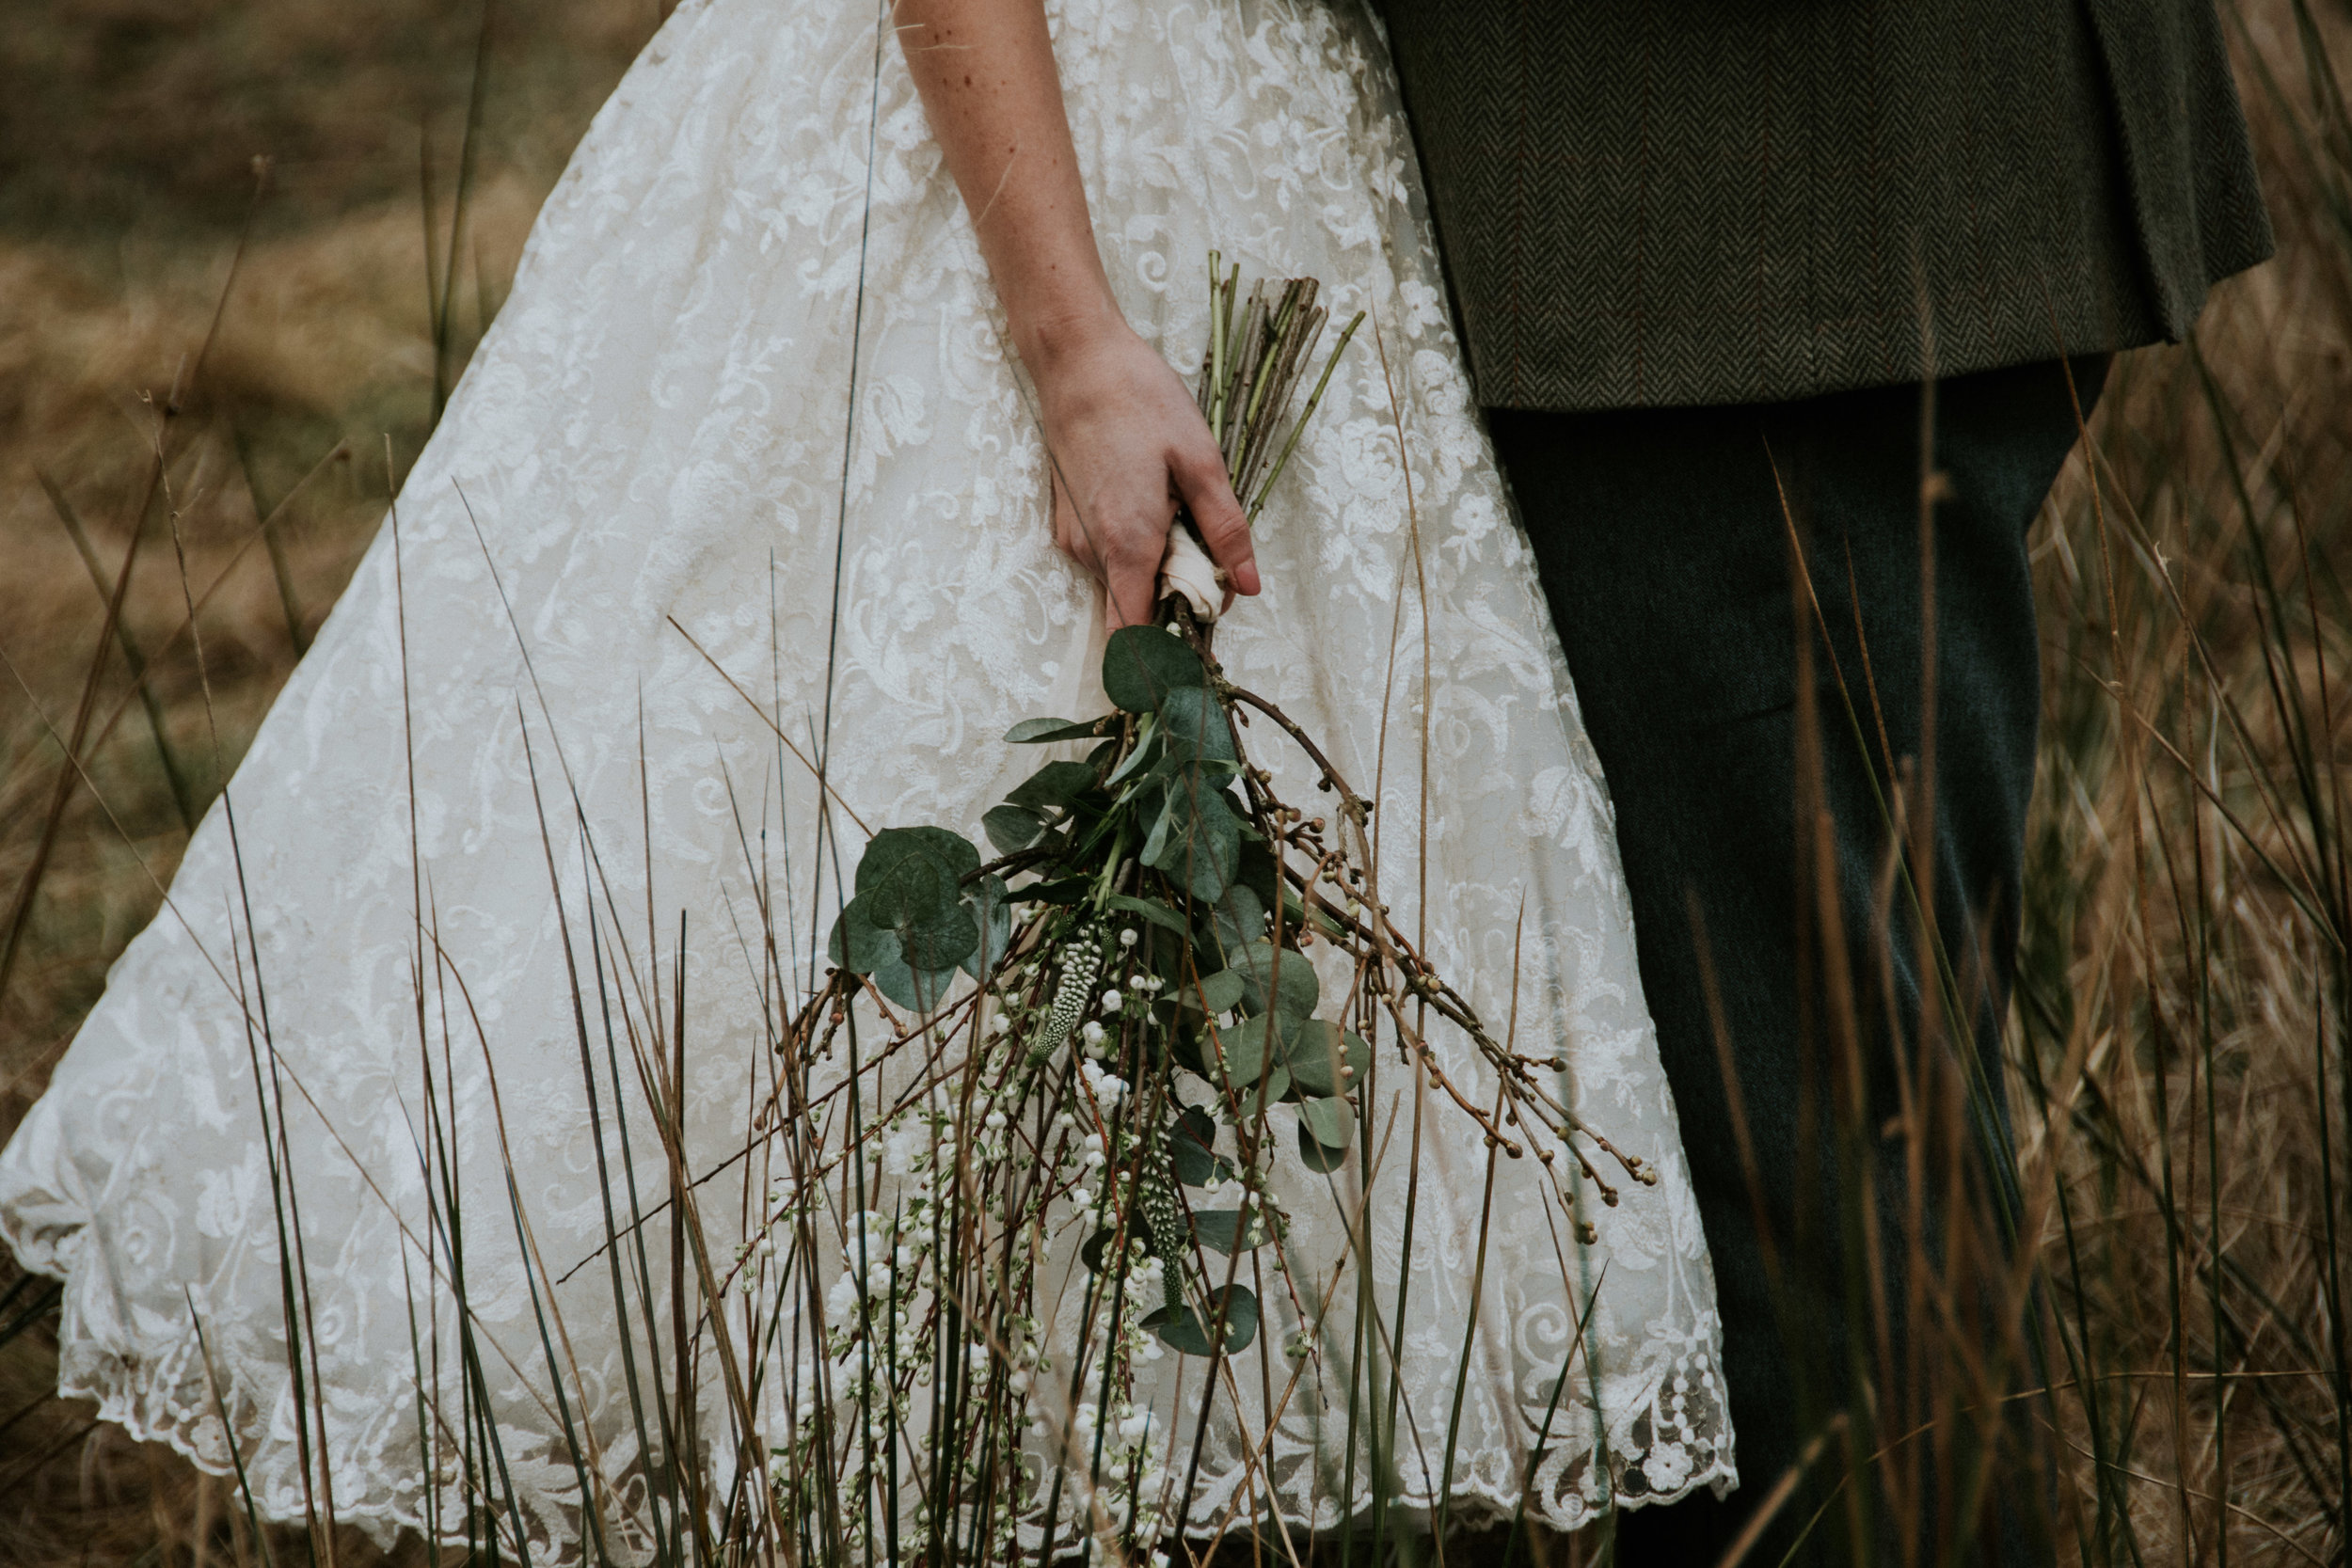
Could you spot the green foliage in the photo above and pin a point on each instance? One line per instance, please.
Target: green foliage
(1192, 1148)
(1147, 829)
(1040, 732)
(913, 921)
(1224, 1229)
(1327, 1060)
(1183, 1329)
(1141, 665)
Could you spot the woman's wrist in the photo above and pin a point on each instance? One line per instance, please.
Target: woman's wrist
(1051, 341)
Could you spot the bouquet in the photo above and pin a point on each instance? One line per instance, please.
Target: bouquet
(1145, 924)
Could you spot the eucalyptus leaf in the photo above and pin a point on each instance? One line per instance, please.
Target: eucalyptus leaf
(1011, 829)
(1215, 1228)
(894, 851)
(1141, 665)
(1039, 732)
(1197, 841)
(1240, 919)
(1314, 1156)
(1192, 1148)
(858, 944)
(1259, 1098)
(1259, 873)
(1062, 890)
(911, 928)
(1243, 1048)
(1152, 805)
(1288, 971)
(1140, 759)
(918, 989)
(1152, 910)
(1319, 1049)
(1192, 723)
(1217, 994)
(1181, 1328)
(1241, 1316)
(1057, 784)
(909, 883)
(990, 904)
(1186, 1048)
(1329, 1120)
(939, 937)
(1090, 1253)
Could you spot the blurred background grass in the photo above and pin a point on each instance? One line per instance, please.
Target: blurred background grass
(129, 131)
(2179, 1036)
(129, 134)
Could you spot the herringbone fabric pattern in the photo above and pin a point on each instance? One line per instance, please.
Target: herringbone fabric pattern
(1736, 202)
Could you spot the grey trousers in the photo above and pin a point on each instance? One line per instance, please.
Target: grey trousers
(1661, 538)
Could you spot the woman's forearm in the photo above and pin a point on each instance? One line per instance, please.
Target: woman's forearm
(1126, 440)
(985, 69)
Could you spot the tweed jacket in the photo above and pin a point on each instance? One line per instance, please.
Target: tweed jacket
(1655, 202)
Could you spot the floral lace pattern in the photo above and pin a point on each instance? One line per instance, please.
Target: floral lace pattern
(653, 433)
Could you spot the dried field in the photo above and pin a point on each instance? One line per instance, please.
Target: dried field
(2180, 1035)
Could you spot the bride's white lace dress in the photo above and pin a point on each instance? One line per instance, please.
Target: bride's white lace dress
(655, 432)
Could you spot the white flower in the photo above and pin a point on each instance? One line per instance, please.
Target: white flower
(1112, 1001)
(1127, 937)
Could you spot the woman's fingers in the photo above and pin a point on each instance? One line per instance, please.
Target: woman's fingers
(1129, 446)
(1070, 535)
(1200, 475)
(1130, 561)
(1116, 544)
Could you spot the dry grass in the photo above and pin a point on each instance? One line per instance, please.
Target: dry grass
(2180, 1031)
(128, 133)
(2185, 975)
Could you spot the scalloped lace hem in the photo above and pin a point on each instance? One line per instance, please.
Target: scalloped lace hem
(129, 1399)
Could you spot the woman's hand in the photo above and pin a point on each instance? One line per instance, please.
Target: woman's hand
(1128, 445)
(1127, 442)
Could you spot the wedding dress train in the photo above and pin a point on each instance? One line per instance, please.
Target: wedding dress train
(745, 455)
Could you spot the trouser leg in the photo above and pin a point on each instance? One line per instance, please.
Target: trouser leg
(1665, 553)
